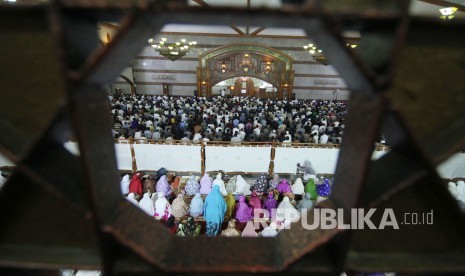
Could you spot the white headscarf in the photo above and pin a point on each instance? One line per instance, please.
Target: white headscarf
(146, 204)
(453, 189)
(461, 190)
(270, 231)
(154, 198)
(242, 187)
(288, 137)
(219, 182)
(132, 199)
(286, 212)
(125, 184)
(298, 187)
(161, 204)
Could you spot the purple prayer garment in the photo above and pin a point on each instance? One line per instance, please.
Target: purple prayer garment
(205, 185)
(284, 187)
(243, 211)
(163, 186)
(269, 204)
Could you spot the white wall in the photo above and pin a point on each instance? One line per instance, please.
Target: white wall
(150, 67)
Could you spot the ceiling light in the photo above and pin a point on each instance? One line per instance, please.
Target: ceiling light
(448, 13)
(172, 50)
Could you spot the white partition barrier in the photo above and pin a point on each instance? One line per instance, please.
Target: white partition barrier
(323, 160)
(454, 167)
(253, 159)
(123, 154)
(237, 159)
(151, 157)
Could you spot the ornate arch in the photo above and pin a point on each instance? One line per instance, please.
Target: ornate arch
(131, 84)
(250, 60)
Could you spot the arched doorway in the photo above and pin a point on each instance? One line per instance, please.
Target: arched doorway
(245, 86)
(123, 83)
(131, 84)
(245, 60)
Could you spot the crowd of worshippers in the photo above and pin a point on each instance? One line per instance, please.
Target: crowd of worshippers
(232, 119)
(273, 199)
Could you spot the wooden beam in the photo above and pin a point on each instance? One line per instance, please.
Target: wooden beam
(235, 35)
(201, 3)
(247, 26)
(445, 4)
(110, 26)
(239, 31)
(257, 31)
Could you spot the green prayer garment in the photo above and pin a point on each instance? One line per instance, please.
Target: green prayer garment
(311, 188)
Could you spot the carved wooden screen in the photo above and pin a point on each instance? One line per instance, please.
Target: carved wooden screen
(59, 210)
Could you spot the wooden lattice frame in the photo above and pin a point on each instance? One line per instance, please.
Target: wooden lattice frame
(92, 226)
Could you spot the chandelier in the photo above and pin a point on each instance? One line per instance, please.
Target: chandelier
(223, 68)
(351, 45)
(316, 53)
(172, 50)
(267, 68)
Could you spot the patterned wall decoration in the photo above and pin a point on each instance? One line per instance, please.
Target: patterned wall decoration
(244, 48)
(245, 64)
(245, 60)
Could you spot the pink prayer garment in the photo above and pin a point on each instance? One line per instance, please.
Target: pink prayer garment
(255, 202)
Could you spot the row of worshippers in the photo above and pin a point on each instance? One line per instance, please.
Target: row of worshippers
(228, 119)
(187, 227)
(216, 208)
(236, 184)
(134, 185)
(213, 209)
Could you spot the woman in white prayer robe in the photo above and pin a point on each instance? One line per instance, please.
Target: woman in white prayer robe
(270, 231)
(286, 212)
(162, 208)
(460, 191)
(218, 181)
(154, 198)
(125, 184)
(298, 187)
(452, 189)
(242, 187)
(146, 204)
(131, 198)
